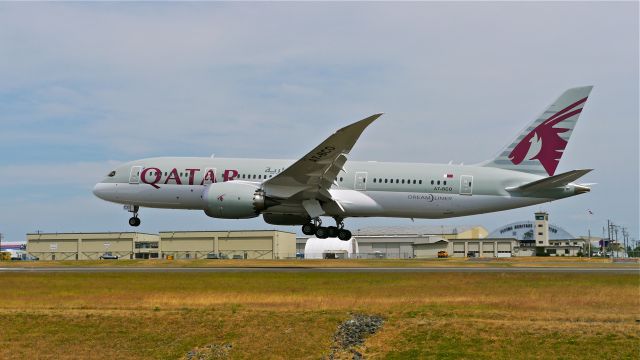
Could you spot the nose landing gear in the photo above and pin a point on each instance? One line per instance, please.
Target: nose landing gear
(134, 220)
(322, 232)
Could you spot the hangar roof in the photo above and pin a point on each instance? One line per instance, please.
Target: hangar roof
(430, 240)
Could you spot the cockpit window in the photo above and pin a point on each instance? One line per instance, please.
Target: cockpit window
(112, 174)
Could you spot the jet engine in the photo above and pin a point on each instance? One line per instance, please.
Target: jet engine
(235, 200)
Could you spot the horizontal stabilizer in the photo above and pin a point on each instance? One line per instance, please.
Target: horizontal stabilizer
(552, 181)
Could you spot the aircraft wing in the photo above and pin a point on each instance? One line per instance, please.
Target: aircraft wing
(552, 181)
(315, 172)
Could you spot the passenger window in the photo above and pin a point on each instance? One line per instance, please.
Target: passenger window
(374, 180)
(254, 176)
(112, 174)
(438, 182)
(341, 179)
(397, 181)
(420, 182)
(403, 181)
(444, 182)
(431, 182)
(414, 182)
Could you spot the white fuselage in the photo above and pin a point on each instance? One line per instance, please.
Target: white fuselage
(364, 189)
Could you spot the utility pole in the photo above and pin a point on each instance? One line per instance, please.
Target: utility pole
(589, 242)
(604, 251)
(615, 231)
(624, 240)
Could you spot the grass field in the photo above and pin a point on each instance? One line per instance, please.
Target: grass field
(484, 262)
(294, 315)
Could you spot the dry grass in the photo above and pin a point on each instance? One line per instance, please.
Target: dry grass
(486, 262)
(293, 315)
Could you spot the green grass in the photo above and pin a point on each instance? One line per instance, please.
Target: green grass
(294, 315)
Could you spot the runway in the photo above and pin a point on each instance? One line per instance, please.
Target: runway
(586, 270)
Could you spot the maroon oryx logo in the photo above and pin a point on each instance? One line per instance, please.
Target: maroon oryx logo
(221, 197)
(544, 142)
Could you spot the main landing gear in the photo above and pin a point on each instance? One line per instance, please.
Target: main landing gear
(134, 220)
(322, 232)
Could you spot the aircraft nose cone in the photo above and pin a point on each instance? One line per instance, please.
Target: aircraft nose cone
(96, 190)
(101, 191)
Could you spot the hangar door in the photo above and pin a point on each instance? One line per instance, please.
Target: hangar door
(389, 250)
(504, 247)
(458, 249)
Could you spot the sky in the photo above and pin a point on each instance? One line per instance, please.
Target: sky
(87, 86)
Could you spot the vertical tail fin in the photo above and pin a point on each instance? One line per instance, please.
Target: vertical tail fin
(539, 147)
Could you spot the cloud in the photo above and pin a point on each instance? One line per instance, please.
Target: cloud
(81, 83)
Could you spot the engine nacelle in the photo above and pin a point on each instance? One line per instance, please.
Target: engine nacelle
(234, 200)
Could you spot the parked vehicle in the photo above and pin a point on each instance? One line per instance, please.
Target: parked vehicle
(108, 256)
(213, 256)
(443, 254)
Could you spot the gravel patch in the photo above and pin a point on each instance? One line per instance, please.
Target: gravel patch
(352, 333)
(209, 352)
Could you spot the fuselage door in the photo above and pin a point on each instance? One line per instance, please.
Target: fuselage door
(361, 181)
(466, 185)
(134, 176)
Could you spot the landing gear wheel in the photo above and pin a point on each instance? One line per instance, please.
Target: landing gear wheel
(134, 221)
(344, 234)
(322, 232)
(333, 231)
(308, 229)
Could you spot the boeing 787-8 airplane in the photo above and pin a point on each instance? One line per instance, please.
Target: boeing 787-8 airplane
(324, 184)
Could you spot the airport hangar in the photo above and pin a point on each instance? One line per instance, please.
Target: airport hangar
(252, 244)
(408, 242)
(523, 238)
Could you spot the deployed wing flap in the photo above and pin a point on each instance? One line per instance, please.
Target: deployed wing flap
(317, 170)
(552, 181)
